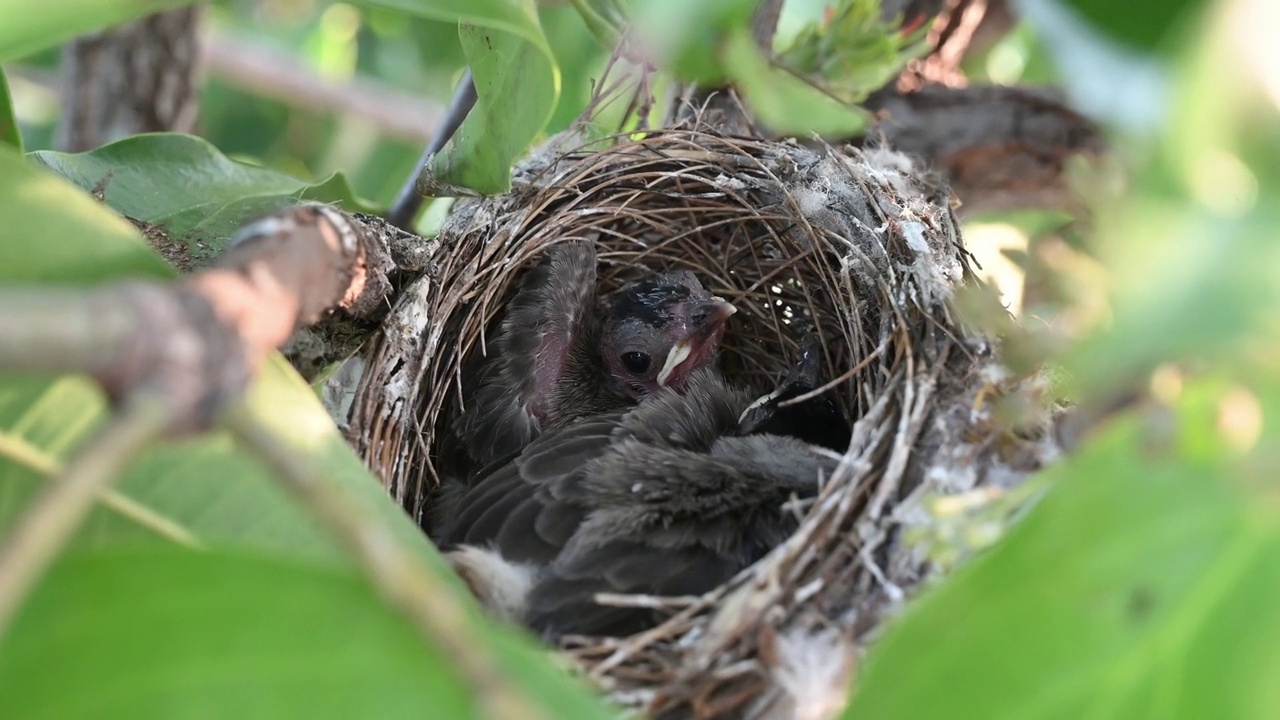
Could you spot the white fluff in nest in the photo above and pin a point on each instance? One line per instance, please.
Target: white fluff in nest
(501, 586)
(812, 669)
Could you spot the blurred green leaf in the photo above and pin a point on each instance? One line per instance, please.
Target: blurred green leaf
(517, 84)
(28, 27)
(854, 52)
(784, 102)
(1144, 585)
(711, 43)
(515, 98)
(1193, 245)
(206, 487)
(606, 20)
(188, 187)
(64, 234)
(9, 134)
(688, 38)
(1144, 25)
(180, 634)
(1189, 284)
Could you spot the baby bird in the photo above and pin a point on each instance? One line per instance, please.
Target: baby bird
(672, 497)
(560, 354)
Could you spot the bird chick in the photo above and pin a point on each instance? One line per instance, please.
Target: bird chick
(818, 420)
(560, 354)
(672, 497)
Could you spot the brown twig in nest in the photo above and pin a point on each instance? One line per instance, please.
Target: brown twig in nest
(856, 246)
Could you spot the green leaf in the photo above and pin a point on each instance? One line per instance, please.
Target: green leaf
(710, 43)
(9, 133)
(784, 102)
(1144, 585)
(514, 100)
(28, 28)
(1191, 249)
(64, 235)
(173, 634)
(687, 38)
(1143, 26)
(517, 83)
(181, 634)
(853, 52)
(185, 185)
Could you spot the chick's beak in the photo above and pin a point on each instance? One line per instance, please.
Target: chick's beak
(704, 327)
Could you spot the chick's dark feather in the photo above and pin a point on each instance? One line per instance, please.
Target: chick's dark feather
(663, 499)
(546, 335)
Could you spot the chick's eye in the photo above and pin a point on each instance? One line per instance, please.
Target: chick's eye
(636, 362)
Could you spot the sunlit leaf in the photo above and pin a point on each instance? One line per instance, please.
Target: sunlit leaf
(1144, 585)
(517, 84)
(174, 634)
(28, 28)
(515, 97)
(9, 133)
(185, 185)
(784, 102)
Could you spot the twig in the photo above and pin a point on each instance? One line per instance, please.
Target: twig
(282, 76)
(409, 201)
(53, 517)
(46, 466)
(401, 577)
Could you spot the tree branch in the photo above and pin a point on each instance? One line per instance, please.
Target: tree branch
(282, 76)
(1001, 147)
(52, 518)
(142, 76)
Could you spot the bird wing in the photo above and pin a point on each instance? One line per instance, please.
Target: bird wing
(669, 521)
(513, 506)
(512, 387)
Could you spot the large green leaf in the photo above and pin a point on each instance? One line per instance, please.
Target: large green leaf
(9, 133)
(1145, 585)
(173, 634)
(517, 83)
(63, 234)
(206, 488)
(514, 100)
(180, 634)
(27, 27)
(187, 186)
(1143, 26)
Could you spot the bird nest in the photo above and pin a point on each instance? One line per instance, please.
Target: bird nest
(857, 246)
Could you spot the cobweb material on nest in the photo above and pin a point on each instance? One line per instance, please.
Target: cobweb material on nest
(856, 245)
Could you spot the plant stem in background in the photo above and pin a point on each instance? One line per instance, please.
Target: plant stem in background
(408, 201)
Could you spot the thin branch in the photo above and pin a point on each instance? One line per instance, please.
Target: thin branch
(399, 575)
(282, 76)
(46, 466)
(409, 200)
(52, 518)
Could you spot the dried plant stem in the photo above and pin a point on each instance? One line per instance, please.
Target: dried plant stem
(49, 522)
(23, 453)
(399, 575)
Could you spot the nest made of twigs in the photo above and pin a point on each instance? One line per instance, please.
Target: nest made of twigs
(855, 245)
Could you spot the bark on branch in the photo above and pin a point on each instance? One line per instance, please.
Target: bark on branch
(197, 342)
